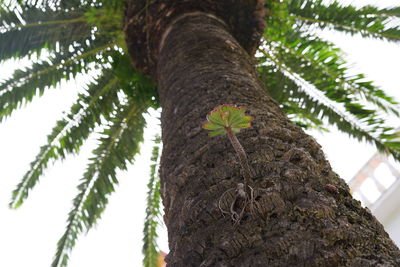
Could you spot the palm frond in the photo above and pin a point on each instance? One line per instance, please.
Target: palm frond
(310, 56)
(281, 89)
(69, 133)
(321, 68)
(117, 147)
(150, 248)
(25, 84)
(309, 98)
(36, 29)
(319, 80)
(390, 11)
(8, 15)
(59, 4)
(65, 4)
(368, 21)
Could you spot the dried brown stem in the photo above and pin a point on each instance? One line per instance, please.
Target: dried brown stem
(244, 163)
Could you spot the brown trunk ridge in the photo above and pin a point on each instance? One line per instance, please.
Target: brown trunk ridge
(297, 222)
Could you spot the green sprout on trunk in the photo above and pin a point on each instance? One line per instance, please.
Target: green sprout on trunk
(228, 120)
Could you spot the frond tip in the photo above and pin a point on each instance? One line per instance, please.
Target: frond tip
(69, 133)
(34, 29)
(150, 248)
(117, 147)
(368, 21)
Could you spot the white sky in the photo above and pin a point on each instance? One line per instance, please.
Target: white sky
(28, 235)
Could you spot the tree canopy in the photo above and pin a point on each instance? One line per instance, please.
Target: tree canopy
(306, 74)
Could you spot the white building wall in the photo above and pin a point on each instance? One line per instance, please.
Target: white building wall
(387, 210)
(377, 186)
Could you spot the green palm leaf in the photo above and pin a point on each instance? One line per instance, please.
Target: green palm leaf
(70, 133)
(330, 86)
(7, 17)
(323, 83)
(25, 84)
(150, 248)
(308, 100)
(321, 58)
(390, 12)
(117, 146)
(368, 21)
(281, 88)
(319, 79)
(53, 30)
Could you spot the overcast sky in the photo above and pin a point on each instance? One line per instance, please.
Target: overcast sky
(28, 235)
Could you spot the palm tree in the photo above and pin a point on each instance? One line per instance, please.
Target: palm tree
(189, 57)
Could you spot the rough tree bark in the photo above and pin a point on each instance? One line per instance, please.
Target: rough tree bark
(303, 213)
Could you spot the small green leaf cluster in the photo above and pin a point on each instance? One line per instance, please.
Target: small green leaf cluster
(227, 118)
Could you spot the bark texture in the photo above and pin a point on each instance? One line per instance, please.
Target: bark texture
(298, 219)
(146, 22)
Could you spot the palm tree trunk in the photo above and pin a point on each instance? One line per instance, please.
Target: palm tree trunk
(303, 214)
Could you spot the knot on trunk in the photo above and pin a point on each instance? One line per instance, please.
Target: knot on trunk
(146, 21)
